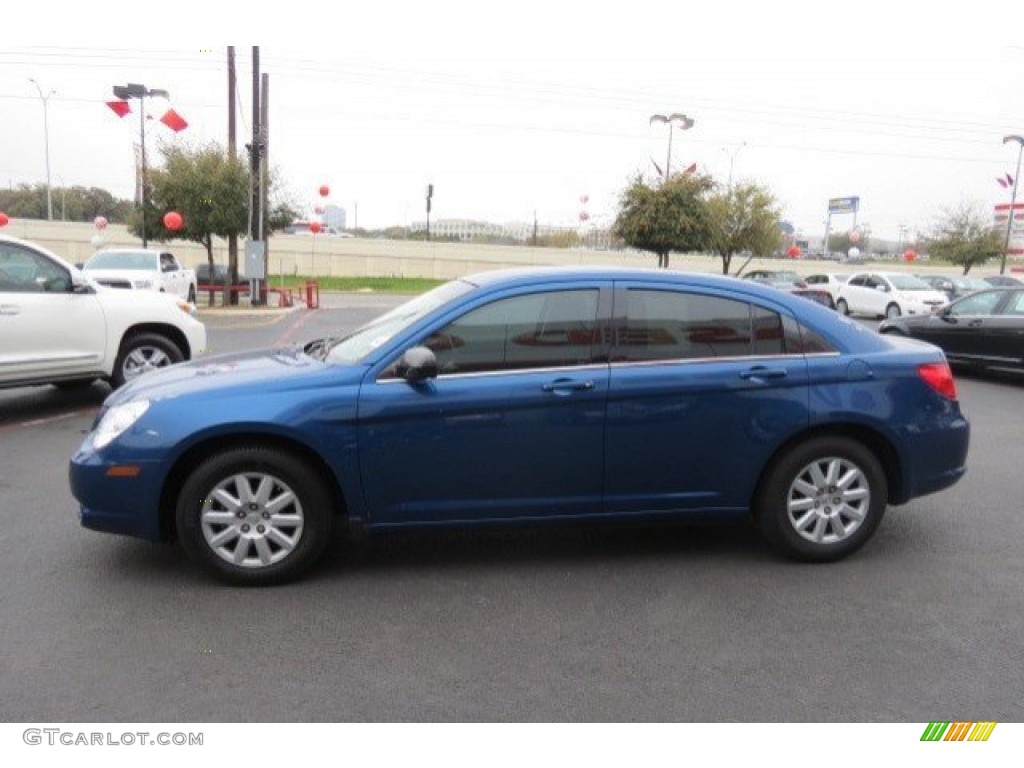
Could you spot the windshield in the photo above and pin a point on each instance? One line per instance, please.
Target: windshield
(970, 283)
(908, 283)
(123, 260)
(362, 342)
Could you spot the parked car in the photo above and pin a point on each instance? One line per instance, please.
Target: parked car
(887, 294)
(529, 396)
(59, 327)
(963, 286)
(137, 268)
(983, 330)
(940, 283)
(829, 281)
(787, 280)
(220, 276)
(1004, 280)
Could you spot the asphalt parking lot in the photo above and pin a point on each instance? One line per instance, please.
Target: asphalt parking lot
(688, 623)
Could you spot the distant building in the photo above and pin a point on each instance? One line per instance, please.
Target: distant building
(334, 217)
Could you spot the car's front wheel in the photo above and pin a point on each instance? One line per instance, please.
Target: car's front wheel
(254, 516)
(893, 311)
(141, 353)
(822, 499)
(842, 307)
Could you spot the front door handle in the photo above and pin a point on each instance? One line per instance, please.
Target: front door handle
(564, 386)
(974, 323)
(759, 373)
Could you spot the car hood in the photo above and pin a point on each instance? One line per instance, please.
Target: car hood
(119, 274)
(264, 370)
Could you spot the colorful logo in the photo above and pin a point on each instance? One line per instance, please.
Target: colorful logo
(958, 731)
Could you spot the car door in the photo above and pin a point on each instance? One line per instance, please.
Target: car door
(46, 330)
(962, 329)
(512, 426)
(702, 391)
(857, 294)
(172, 275)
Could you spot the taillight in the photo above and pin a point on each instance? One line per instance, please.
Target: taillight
(938, 377)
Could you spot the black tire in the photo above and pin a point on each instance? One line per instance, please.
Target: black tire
(143, 346)
(826, 532)
(893, 310)
(842, 307)
(288, 477)
(191, 294)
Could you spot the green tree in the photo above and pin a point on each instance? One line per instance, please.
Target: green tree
(744, 217)
(965, 236)
(672, 216)
(207, 187)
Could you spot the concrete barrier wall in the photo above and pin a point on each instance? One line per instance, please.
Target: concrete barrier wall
(360, 257)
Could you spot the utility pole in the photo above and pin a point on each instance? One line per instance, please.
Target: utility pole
(430, 195)
(229, 296)
(264, 184)
(255, 222)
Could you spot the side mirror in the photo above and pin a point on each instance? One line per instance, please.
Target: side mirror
(79, 284)
(417, 364)
(79, 265)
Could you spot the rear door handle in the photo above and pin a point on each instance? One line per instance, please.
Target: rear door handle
(563, 386)
(974, 323)
(760, 373)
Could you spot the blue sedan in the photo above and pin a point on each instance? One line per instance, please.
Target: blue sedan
(528, 396)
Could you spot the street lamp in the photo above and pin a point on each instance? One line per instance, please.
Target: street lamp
(684, 122)
(140, 92)
(1013, 197)
(46, 139)
(732, 159)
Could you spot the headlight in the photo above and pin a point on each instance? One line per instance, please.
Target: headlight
(143, 283)
(117, 420)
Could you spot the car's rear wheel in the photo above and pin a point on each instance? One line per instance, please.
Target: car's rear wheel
(842, 307)
(893, 311)
(822, 499)
(254, 516)
(141, 353)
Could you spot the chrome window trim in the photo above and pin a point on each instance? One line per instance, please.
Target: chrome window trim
(513, 371)
(619, 364)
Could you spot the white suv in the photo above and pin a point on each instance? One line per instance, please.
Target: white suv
(59, 327)
(887, 294)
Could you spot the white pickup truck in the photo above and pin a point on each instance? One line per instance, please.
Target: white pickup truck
(142, 269)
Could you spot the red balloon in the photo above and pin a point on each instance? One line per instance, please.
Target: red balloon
(173, 220)
(324, 190)
(315, 227)
(909, 255)
(793, 252)
(4, 219)
(584, 215)
(100, 222)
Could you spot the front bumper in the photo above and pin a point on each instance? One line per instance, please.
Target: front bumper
(129, 506)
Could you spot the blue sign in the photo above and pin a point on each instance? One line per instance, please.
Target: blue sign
(843, 204)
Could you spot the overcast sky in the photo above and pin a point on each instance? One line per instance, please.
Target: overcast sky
(515, 108)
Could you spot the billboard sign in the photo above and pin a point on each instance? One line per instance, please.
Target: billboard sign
(843, 204)
(1001, 220)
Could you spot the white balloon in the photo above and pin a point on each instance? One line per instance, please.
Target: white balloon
(96, 240)
(853, 253)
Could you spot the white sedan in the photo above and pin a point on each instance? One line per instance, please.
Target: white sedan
(887, 294)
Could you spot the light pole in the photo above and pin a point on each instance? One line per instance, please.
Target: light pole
(684, 122)
(732, 159)
(46, 138)
(140, 92)
(1013, 197)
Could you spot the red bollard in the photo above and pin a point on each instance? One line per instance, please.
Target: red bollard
(312, 294)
